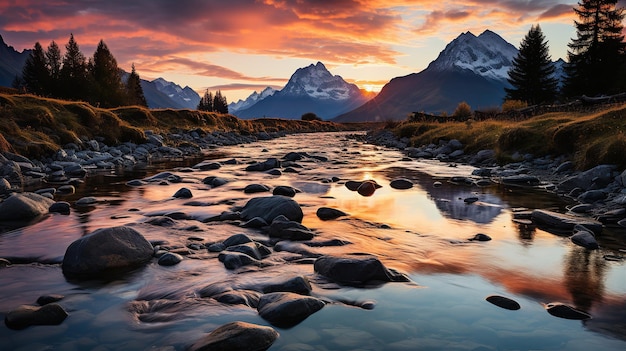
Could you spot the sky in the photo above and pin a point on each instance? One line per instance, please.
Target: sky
(239, 46)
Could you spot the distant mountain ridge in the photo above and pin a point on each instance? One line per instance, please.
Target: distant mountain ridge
(255, 97)
(310, 89)
(471, 68)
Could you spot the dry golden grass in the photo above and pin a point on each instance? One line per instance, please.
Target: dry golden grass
(587, 138)
(36, 127)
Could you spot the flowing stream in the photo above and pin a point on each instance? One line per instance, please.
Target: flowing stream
(422, 231)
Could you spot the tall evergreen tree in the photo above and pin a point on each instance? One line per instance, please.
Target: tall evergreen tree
(206, 102)
(109, 90)
(219, 103)
(134, 91)
(53, 62)
(74, 72)
(597, 53)
(35, 73)
(532, 73)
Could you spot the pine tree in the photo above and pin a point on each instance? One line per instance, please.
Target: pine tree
(134, 91)
(219, 103)
(35, 73)
(206, 102)
(73, 74)
(597, 53)
(532, 74)
(109, 90)
(53, 62)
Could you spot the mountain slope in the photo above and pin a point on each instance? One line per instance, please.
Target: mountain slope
(471, 69)
(11, 63)
(310, 89)
(255, 97)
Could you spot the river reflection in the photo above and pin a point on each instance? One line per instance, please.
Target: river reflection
(422, 231)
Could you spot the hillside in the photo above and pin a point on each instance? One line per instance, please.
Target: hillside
(37, 127)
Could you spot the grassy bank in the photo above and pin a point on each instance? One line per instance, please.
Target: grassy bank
(588, 139)
(35, 127)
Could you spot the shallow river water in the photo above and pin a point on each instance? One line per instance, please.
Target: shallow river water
(421, 231)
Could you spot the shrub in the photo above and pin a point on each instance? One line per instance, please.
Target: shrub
(463, 110)
(310, 116)
(512, 105)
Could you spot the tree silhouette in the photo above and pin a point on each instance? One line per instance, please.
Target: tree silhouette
(532, 74)
(206, 102)
(53, 62)
(73, 74)
(109, 90)
(134, 91)
(596, 55)
(35, 74)
(219, 103)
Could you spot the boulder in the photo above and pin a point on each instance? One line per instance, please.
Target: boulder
(106, 250)
(584, 180)
(327, 213)
(522, 180)
(271, 207)
(183, 193)
(234, 260)
(284, 190)
(61, 207)
(356, 270)
(401, 184)
(24, 207)
(591, 196)
(237, 239)
(170, 259)
(253, 249)
(298, 284)
(237, 336)
(585, 238)
(285, 309)
(26, 315)
(264, 166)
(255, 188)
(283, 228)
(563, 223)
(367, 188)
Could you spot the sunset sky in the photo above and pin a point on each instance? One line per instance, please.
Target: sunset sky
(240, 46)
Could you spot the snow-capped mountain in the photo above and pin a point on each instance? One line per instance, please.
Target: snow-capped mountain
(184, 97)
(255, 97)
(471, 68)
(310, 89)
(487, 55)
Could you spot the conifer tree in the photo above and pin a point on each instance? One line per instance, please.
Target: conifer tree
(53, 62)
(35, 73)
(219, 103)
(134, 91)
(206, 102)
(532, 74)
(597, 52)
(109, 90)
(73, 74)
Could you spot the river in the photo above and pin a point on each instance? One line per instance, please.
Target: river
(422, 232)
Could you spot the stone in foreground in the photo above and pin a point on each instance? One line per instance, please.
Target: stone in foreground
(26, 315)
(286, 309)
(356, 269)
(561, 310)
(237, 336)
(106, 250)
(270, 207)
(24, 206)
(564, 223)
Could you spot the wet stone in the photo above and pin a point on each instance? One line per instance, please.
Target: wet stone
(561, 310)
(47, 299)
(401, 184)
(256, 222)
(503, 302)
(237, 239)
(170, 259)
(327, 213)
(585, 238)
(285, 309)
(256, 188)
(237, 336)
(480, 237)
(61, 207)
(284, 190)
(26, 315)
(183, 193)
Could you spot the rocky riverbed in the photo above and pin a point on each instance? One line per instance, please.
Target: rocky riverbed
(309, 242)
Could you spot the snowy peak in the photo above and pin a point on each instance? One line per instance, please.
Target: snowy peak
(186, 96)
(487, 55)
(251, 100)
(317, 82)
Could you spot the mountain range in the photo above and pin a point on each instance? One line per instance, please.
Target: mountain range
(310, 89)
(470, 68)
